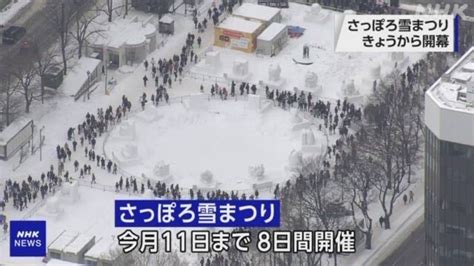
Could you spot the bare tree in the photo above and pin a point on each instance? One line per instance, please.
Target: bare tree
(26, 75)
(61, 16)
(8, 102)
(44, 61)
(358, 171)
(83, 30)
(386, 117)
(109, 9)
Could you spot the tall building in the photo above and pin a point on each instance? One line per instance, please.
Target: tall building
(449, 166)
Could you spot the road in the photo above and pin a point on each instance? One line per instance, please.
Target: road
(34, 18)
(411, 252)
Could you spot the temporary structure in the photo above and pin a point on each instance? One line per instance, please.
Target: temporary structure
(273, 39)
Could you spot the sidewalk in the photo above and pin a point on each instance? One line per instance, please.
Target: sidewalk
(404, 220)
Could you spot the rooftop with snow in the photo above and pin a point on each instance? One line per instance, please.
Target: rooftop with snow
(455, 89)
(130, 32)
(273, 30)
(240, 24)
(253, 11)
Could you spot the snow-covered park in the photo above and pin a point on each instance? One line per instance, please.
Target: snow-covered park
(197, 140)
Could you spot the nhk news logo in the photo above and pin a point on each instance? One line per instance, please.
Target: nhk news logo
(27, 238)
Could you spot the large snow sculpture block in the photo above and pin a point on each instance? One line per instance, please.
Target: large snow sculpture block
(240, 67)
(207, 177)
(308, 138)
(274, 73)
(161, 169)
(257, 172)
(311, 80)
(213, 59)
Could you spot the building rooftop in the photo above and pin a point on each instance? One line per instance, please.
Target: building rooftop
(10, 131)
(103, 249)
(450, 90)
(258, 12)
(240, 25)
(78, 244)
(64, 239)
(272, 31)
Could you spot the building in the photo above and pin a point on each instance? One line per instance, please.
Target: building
(263, 14)
(125, 42)
(104, 253)
(449, 166)
(70, 247)
(14, 137)
(238, 33)
(273, 39)
(166, 25)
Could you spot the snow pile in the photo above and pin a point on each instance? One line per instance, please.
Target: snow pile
(257, 172)
(207, 177)
(161, 170)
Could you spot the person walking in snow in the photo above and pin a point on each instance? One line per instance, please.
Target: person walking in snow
(412, 195)
(381, 221)
(146, 65)
(199, 41)
(145, 79)
(405, 199)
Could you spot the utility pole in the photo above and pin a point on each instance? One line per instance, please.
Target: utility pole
(41, 143)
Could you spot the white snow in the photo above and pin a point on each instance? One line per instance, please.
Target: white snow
(129, 31)
(272, 31)
(167, 19)
(78, 76)
(240, 25)
(13, 129)
(63, 240)
(11, 10)
(191, 142)
(226, 139)
(102, 249)
(257, 12)
(78, 244)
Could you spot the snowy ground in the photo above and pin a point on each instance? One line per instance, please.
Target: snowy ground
(181, 144)
(11, 10)
(226, 140)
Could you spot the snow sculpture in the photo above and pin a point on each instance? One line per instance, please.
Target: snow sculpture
(127, 130)
(311, 80)
(257, 172)
(274, 72)
(295, 159)
(148, 194)
(316, 14)
(198, 102)
(213, 59)
(207, 177)
(129, 151)
(349, 89)
(161, 169)
(308, 138)
(240, 67)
